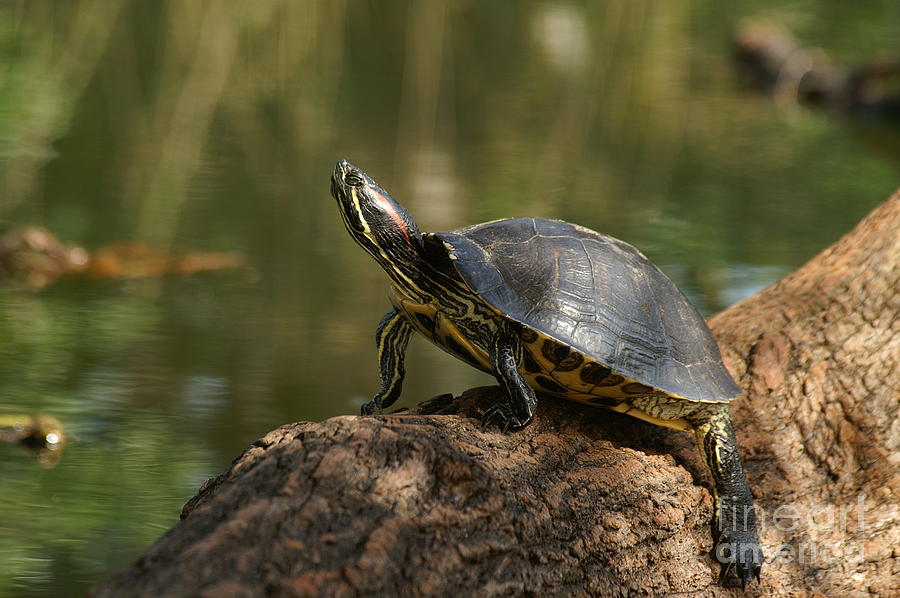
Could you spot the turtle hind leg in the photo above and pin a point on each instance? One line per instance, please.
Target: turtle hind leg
(392, 337)
(517, 409)
(737, 544)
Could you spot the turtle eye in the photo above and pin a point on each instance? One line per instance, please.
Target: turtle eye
(353, 179)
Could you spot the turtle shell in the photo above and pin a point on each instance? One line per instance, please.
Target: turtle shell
(596, 294)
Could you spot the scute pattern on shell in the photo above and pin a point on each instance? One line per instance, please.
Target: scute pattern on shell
(596, 294)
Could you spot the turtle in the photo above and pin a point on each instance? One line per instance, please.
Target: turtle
(555, 308)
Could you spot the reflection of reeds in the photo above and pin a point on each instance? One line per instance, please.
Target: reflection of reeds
(241, 61)
(423, 71)
(167, 70)
(425, 136)
(54, 66)
(182, 119)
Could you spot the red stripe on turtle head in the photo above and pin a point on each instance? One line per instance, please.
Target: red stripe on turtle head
(387, 204)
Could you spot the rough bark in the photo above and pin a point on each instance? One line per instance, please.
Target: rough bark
(583, 501)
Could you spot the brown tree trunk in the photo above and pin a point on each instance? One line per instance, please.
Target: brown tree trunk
(584, 501)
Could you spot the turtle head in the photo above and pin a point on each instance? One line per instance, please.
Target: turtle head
(375, 220)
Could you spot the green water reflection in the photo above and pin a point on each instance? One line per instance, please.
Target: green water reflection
(211, 126)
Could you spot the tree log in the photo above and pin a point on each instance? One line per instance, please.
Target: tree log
(584, 501)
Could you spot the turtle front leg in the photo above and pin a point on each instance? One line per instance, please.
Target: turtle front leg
(517, 410)
(391, 338)
(737, 544)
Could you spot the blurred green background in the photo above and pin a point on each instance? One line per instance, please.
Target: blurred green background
(214, 125)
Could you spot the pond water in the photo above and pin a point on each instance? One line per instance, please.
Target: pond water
(197, 127)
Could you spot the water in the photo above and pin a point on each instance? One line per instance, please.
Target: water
(190, 128)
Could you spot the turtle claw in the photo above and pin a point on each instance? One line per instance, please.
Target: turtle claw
(493, 414)
(741, 557)
(748, 571)
(503, 417)
(371, 407)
